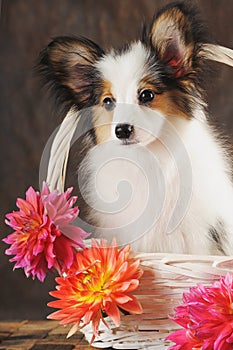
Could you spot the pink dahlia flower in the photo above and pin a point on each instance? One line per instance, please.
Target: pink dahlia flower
(43, 237)
(206, 317)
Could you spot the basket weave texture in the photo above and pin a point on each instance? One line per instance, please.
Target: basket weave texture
(166, 277)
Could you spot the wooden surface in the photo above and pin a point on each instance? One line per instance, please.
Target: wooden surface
(39, 335)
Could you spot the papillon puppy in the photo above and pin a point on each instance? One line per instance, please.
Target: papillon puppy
(154, 173)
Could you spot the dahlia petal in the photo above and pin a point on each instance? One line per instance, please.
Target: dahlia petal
(68, 192)
(64, 252)
(75, 233)
(55, 315)
(230, 338)
(122, 270)
(129, 286)
(38, 248)
(58, 201)
(221, 339)
(32, 197)
(13, 221)
(39, 273)
(87, 317)
(110, 259)
(133, 306)
(57, 304)
(51, 210)
(73, 330)
(176, 347)
(9, 239)
(9, 251)
(177, 337)
(95, 326)
(25, 206)
(63, 206)
(112, 311)
(50, 256)
(18, 264)
(65, 219)
(122, 298)
(45, 189)
(72, 201)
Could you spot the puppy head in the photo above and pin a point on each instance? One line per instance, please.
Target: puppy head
(136, 89)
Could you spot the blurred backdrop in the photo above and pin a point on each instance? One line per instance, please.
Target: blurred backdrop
(27, 115)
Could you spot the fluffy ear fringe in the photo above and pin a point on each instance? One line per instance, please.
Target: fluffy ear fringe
(66, 66)
(174, 33)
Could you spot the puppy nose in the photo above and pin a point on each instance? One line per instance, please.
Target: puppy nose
(123, 131)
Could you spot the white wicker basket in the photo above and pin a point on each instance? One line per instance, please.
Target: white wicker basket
(166, 277)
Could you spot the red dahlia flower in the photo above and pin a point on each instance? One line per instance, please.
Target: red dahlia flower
(100, 280)
(206, 317)
(43, 238)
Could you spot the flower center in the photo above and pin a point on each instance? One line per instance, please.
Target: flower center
(96, 284)
(30, 226)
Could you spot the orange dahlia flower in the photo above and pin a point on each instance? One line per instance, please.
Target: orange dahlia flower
(99, 281)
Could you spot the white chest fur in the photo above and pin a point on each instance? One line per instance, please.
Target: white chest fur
(163, 197)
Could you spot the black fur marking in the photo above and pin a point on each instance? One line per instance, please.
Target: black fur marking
(143, 36)
(217, 235)
(67, 67)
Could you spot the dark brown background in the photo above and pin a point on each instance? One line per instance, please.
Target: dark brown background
(27, 117)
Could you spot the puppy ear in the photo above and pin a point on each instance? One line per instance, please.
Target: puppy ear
(175, 34)
(67, 65)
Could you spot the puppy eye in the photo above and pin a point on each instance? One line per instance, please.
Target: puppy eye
(109, 103)
(146, 96)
